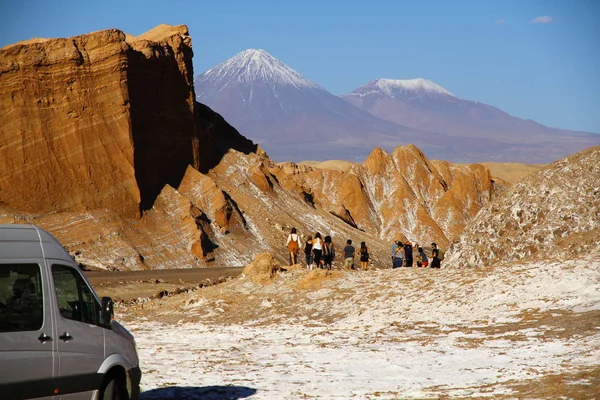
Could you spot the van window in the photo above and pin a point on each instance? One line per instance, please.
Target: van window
(21, 305)
(75, 299)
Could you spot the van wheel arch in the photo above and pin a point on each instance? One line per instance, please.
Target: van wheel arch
(114, 385)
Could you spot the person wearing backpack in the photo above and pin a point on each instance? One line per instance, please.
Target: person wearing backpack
(293, 244)
(397, 253)
(364, 256)
(437, 255)
(328, 252)
(317, 249)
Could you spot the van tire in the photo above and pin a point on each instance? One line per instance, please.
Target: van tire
(113, 388)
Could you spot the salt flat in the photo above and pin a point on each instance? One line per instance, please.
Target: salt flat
(510, 331)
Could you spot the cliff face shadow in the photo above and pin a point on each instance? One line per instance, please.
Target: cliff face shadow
(198, 393)
(162, 121)
(170, 130)
(215, 137)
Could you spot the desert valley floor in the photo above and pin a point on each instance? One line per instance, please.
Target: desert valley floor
(510, 331)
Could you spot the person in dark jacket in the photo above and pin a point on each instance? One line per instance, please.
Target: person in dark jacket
(364, 256)
(408, 254)
(435, 261)
(308, 252)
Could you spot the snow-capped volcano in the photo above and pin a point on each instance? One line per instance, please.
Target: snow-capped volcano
(425, 105)
(290, 116)
(253, 65)
(401, 87)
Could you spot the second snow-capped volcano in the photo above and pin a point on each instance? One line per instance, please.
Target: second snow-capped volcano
(422, 104)
(399, 88)
(291, 117)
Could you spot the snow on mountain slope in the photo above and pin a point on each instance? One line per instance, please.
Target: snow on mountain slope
(253, 65)
(551, 214)
(399, 87)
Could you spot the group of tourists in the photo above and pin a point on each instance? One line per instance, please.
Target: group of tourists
(319, 253)
(405, 254)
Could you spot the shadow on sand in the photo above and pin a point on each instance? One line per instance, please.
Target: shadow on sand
(197, 393)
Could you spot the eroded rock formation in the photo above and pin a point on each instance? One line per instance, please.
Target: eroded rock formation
(403, 195)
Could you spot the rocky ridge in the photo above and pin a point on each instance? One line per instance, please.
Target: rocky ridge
(402, 195)
(551, 214)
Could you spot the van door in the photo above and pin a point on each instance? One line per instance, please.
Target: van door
(80, 341)
(27, 342)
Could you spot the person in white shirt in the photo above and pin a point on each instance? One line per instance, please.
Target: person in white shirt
(317, 249)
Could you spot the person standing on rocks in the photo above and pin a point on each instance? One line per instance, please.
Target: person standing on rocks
(328, 252)
(364, 256)
(397, 250)
(308, 252)
(349, 251)
(293, 244)
(317, 249)
(424, 260)
(435, 254)
(408, 254)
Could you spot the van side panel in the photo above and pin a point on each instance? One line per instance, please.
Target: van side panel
(28, 360)
(80, 343)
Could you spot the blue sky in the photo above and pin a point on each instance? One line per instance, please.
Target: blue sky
(483, 50)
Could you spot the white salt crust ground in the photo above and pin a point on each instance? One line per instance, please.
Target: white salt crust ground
(387, 334)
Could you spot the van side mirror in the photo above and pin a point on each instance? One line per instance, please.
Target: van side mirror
(107, 312)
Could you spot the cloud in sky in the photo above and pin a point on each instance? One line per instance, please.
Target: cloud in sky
(546, 19)
(500, 21)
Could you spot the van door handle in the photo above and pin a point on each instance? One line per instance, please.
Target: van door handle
(65, 336)
(44, 338)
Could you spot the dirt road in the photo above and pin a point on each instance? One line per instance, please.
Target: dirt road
(129, 285)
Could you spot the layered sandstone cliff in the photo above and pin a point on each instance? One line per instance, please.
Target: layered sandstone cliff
(98, 121)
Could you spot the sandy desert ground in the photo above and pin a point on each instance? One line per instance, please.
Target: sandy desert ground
(511, 331)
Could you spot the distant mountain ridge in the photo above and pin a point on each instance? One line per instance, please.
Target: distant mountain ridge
(295, 119)
(422, 104)
(290, 116)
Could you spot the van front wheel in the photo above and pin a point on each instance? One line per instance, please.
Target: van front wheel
(113, 389)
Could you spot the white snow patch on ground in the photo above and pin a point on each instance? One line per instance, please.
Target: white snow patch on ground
(407, 333)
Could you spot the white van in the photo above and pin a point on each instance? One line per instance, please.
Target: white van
(57, 339)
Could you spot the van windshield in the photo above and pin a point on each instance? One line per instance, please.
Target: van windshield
(21, 305)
